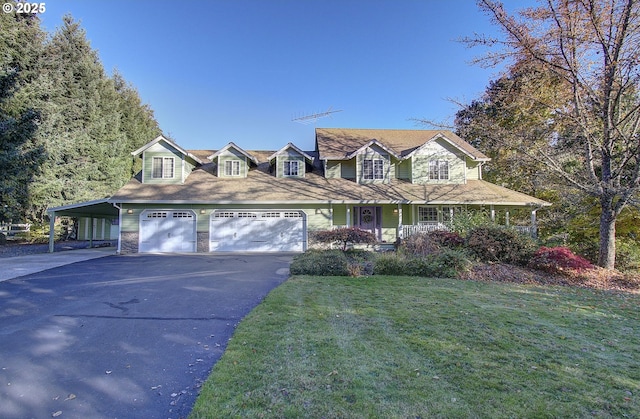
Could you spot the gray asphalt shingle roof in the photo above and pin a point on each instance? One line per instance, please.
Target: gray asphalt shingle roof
(261, 186)
(338, 143)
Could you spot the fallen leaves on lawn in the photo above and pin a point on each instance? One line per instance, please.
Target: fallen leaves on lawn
(598, 278)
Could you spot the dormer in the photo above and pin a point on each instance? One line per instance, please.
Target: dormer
(232, 161)
(375, 163)
(290, 161)
(443, 159)
(164, 162)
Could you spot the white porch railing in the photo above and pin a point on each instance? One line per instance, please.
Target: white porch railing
(525, 230)
(409, 230)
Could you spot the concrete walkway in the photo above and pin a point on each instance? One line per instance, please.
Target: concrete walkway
(14, 267)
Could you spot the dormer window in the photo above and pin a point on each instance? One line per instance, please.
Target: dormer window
(439, 170)
(232, 168)
(373, 169)
(163, 168)
(291, 168)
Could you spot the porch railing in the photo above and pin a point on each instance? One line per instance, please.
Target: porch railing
(526, 230)
(409, 230)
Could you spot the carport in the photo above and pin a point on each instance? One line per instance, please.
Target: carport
(100, 208)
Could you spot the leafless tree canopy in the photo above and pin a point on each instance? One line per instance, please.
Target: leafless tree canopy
(593, 48)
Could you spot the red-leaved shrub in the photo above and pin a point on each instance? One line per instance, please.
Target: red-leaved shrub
(558, 260)
(344, 236)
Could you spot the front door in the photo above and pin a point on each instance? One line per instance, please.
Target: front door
(368, 219)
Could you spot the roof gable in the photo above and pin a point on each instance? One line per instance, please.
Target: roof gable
(161, 139)
(371, 143)
(236, 148)
(292, 147)
(339, 143)
(458, 144)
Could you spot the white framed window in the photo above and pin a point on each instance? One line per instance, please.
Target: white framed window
(427, 214)
(157, 214)
(162, 168)
(449, 212)
(291, 168)
(439, 170)
(373, 169)
(232, 168)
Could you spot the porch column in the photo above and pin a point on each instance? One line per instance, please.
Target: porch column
(534, 224)
(493, 214)
(506, 218)
(119, 249)
(400, 235)
(348, 216)
(331, 214)
(52, 231)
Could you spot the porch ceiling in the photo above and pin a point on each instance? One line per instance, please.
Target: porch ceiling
(97, 208)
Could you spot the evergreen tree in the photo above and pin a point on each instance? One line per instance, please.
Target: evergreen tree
(66, 128)
(21, 151)
(137, 121)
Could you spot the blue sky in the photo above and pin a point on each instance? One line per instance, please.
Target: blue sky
(221, 70)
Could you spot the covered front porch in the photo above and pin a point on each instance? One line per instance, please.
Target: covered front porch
(390, 222)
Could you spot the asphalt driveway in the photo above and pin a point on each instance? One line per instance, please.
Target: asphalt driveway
(123, 336)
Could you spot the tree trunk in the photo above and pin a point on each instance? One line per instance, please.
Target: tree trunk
(607, 253)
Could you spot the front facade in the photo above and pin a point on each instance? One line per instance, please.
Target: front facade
(390, 182)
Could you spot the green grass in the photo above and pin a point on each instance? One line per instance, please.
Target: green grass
(405, 347)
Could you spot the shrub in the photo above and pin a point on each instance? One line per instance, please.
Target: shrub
(499, 244)
(453, 262)
(558, 260)
(3, 238)
(465, 221)
(445, 264)
(449, 239)
(627, 254)
(360, 262)
(419, 244)
(389, 264)
(432, 242)
(344, 236)
(320, 263)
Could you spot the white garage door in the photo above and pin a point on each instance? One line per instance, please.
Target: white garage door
(167, 231)
(257, 231)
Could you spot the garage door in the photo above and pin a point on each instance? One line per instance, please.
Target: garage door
(257, 231)
(167, 231)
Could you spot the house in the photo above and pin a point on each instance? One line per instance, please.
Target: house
(390, 182)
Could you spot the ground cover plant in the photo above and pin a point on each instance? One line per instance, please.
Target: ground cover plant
(399, 347)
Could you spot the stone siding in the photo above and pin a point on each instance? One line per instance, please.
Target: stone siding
(129, 242)
(202, 245)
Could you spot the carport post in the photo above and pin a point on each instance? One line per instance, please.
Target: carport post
(91, 227)
(52, 230)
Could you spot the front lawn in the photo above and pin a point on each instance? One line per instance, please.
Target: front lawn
(407, 347)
